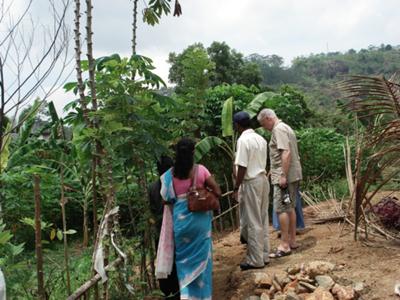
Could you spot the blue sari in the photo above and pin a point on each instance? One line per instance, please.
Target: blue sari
(193, 244)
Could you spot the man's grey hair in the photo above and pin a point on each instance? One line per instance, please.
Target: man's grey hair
(266, 113)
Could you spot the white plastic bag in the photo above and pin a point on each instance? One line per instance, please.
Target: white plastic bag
(2, 286)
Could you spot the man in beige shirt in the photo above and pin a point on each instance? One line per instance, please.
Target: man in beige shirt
(252, 190)
(285, 177)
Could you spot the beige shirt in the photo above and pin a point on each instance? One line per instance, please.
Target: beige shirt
(284, 138)
(251, 153)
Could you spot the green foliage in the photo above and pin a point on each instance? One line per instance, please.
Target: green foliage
(8, 251)
(326, 189)
(155, 10)
(289, 105)
(226, 118)
(272, 71)
(219, 64)
(231, 67)
(205, 145)
(191, 69)
(321, 153)
(137, 122)
(215, 99)
(316, 75)
(5, 152)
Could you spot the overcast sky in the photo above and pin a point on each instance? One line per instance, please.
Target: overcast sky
(288, 28)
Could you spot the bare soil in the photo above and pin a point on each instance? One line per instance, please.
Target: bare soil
(375, 262)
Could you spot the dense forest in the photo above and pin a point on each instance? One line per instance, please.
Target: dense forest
(102, 153)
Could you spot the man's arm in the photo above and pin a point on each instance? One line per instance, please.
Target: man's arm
(285, 160)
(239, 176)
(241, 171)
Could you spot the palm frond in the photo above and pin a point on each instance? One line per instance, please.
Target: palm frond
(373, 95)
(377, 100)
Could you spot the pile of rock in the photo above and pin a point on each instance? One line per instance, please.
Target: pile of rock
(312, 281)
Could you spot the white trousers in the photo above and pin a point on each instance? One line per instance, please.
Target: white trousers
(254, 225)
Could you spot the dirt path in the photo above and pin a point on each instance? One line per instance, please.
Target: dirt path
(376, 263)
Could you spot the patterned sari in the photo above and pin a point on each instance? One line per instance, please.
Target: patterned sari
(193, 244)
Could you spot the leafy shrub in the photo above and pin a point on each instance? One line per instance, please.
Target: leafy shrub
(321, 152)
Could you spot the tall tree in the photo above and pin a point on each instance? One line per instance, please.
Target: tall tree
(24, 73)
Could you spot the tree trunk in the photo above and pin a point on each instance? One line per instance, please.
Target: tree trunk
(78, 68)
(92, 84)
(128, 200)
(38, 241)
(94, 194)
(82, 101)
(85, 228)
(134, 27)
(109, 204)
(66, 259)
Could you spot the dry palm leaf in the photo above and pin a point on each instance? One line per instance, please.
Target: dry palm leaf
(376, 100)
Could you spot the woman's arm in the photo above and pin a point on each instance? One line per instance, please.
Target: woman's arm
(213, 185)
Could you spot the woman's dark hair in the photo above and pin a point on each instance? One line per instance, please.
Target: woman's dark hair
(184, 158)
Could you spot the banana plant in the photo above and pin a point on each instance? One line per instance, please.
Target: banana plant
(208, 143)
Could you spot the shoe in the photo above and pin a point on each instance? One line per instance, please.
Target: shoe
(280, 253)
(246, 266)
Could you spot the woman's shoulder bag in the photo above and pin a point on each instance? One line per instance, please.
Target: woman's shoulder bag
(201, 198)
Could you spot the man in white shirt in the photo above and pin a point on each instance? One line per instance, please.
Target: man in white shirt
(252, 191)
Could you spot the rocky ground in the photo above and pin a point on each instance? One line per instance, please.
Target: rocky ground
(328, 265)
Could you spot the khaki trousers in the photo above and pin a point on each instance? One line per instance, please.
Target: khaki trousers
(254, 225)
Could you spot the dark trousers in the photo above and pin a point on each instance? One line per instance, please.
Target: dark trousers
(170, 286)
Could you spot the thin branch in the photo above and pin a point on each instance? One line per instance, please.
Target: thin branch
(14, 27)
(46, 54)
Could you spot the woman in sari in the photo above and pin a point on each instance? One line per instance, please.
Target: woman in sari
(191, 230)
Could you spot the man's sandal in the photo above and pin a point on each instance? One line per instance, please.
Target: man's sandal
(280, 253)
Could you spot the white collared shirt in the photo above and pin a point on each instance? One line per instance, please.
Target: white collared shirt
(251, 153)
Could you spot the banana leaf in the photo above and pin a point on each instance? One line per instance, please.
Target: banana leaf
(258, 103)
(205, 145)
(226, 118)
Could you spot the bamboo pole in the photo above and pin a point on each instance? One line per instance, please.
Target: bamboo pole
(225, 212)
(230, 205)
(92, 281)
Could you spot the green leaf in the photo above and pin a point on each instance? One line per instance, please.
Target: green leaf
(53, 112)
(52, 234)
(257, 103)
(28, 122)
(70, 231)
(226, 117)
(31, 222)
(69, 86)
(150, 17)
(59, 234)
(16, 249)
(28, 221)
(206, 144)
(5, 236)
